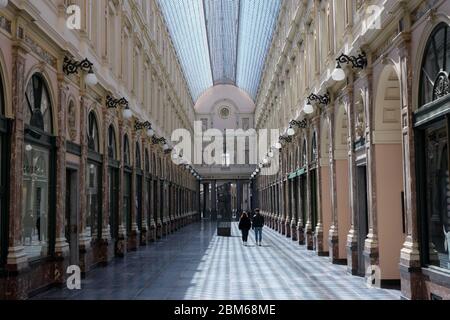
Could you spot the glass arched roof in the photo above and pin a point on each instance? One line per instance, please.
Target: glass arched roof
(221, 41)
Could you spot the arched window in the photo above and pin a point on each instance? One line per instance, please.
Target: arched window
(112, 146)
(38, 112)
(126, 151)
(37, 209)
(304, 155)
(434, 78)
(138, 156)
(147, 162)
(314, 147)
(93, 138)
(432, 134)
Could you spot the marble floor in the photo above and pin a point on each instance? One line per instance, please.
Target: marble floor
(195, 264)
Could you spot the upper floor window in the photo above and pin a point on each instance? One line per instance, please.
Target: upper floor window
(93, 142)
(37, 112)
(112, 147)
(314, 148)
(434, 79)
(126, 152)
(138, 156)
(147, 161)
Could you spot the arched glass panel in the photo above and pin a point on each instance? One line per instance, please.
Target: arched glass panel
(147, 161)
(37, 110)
(434, 79)
(112, 146)
(314, 147)
(304, 156)
(126, 151)
(93, 138)
(138, 156)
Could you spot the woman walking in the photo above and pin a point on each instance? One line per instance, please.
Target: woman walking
(245, 225)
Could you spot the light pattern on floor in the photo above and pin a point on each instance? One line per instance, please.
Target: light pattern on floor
(195, 264)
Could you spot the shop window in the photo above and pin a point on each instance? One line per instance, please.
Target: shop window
(113, 182)
(432, 136)
(112, 152)
(37, 167)
(93, 179)
(126, 216)
(93, 141)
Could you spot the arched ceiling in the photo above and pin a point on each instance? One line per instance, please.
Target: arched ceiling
(221, 41)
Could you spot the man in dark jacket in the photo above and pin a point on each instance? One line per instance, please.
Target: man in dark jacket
(258, 224)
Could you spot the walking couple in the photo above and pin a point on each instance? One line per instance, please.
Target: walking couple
(257, 223)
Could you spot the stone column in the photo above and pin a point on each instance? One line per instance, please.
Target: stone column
(300, 222)
(159, 223)
(121, 246)
(61, 245)
(133, 237)
(333, 234)
(352, 237)
(144, 222)
(294, 209)
(150, 210)
(410, 266)
(287, 209)
(371, 254)
(281, 212)
(106, 246)
(84, 240)
(213, 200)
(308, 225)
(17, 262)
(318, 232)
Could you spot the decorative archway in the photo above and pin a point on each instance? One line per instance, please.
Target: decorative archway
(388, 162)
(38, 202)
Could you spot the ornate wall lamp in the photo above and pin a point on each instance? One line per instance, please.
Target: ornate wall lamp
(163, 141)
(321, 99)
(284, 138)
(145, 125)
(301, 124)
(71, 66)
(113, 103)
(358, 62)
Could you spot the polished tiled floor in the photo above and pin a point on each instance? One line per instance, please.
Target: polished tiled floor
(195, 264)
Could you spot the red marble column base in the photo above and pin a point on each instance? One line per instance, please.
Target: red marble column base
(86, 257)
(318, 244)
(301, 235)
(287, 228)
(352, 258)
(15, 285)
(152, 233)
(165, 229)
(309, 239)
(105, 251)
(282, 226)
(159, 231)
(143, 237)
(333, 245)
(294, 232)
(133, 240)
(121, 246)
